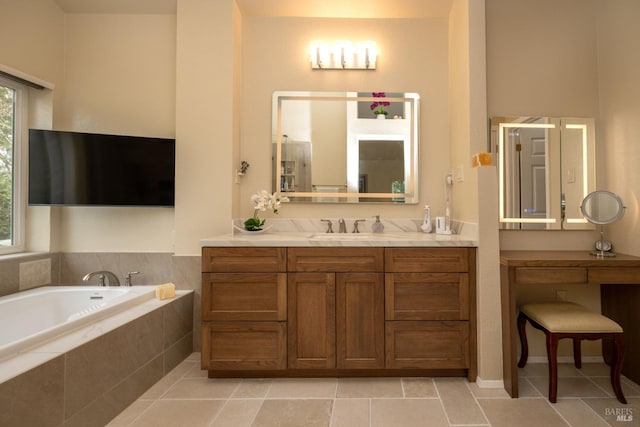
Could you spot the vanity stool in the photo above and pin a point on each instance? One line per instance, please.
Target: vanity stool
(569, 320)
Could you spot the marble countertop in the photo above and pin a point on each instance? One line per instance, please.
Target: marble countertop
(315, 239)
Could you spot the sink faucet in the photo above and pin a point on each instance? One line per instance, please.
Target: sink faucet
(112, 279)
(355, 225)
(342, 226)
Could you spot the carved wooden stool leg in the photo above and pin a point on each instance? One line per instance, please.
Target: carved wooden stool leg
(616, 367)
(577, 353)
(522, 332)
(552, 357)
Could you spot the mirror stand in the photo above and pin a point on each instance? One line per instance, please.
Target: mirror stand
(603, 247)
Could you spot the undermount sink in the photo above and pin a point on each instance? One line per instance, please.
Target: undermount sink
(351, 236)
(342, 236)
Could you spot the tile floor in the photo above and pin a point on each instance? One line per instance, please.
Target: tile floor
(186, 397)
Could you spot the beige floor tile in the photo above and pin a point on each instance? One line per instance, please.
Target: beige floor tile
(237, 413)
(458, 402)
(577, 413)
(251, 388)
(569, 387)
(350, 413)
(179, 413)
(407, 413)
(595, 369)
(615, 413)
(132, 412)
(478, 391)
(202, 388)
(542, 370)
(161, 387)
(294, 413)
(369, 387)
(303, 388)
(196, 372)
(520, 413)
(419, 387)
(526, 389)
(630, 388)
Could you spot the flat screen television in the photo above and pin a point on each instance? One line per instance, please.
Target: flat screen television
(86, 169)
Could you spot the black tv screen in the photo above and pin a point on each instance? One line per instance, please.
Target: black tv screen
(73, 168)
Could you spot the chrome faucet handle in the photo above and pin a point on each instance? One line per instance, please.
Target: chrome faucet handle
(127, 278)
(329, 225)
(342, 226)
(355, 225)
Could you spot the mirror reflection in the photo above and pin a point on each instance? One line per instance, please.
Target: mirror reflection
(345, 147)
(546, 167)
(602, 208)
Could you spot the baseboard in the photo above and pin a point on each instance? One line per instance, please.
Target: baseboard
(565, 359)
(489, 383)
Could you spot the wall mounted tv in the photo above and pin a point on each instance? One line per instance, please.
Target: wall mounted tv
(85, 169)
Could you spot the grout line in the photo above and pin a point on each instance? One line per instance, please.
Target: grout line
(475, 399)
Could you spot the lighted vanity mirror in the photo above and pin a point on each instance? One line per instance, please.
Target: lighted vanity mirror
(330, 147)
(546, 167)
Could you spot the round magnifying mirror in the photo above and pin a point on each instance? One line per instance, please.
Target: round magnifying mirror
(602, 207)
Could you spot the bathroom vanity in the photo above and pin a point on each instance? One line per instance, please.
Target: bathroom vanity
(296, 307)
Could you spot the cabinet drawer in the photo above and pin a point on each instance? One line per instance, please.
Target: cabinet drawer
(426, 296)
(538, 275)
(427, 260)
(336, 260)
(244, 260)
(244, 345)
(427, 345)
(244, 296)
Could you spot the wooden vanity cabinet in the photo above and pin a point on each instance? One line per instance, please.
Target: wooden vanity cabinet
(430, 308)
(338, 311)
(244, 308)
(336, 308)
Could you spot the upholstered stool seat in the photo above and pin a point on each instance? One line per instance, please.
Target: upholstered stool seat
(560, 320)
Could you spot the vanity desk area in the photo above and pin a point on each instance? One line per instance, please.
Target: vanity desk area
(295, 304)
(616, 277)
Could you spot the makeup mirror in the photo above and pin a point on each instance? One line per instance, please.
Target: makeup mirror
(602, 208)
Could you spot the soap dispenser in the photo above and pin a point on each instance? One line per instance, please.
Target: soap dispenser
(426, 223)
(377, 227)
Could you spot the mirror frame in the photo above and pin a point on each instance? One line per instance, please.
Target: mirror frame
(612, 196)
(410, 195)
(556, 212)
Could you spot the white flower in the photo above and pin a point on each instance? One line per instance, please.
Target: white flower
(263, 201)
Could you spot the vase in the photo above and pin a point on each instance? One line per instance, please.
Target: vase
(381, 116)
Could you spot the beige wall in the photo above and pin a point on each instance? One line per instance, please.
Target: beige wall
(542, 59)
(619, 151)
(413, 57)
(119, 78)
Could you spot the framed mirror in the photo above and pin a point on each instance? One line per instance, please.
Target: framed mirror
(546, 167)
(332, 147)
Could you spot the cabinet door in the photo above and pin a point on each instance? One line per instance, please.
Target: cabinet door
(244, 345)
(427, 296)
(427, 345)
(311, 320)
(244, 296)
(360, 320)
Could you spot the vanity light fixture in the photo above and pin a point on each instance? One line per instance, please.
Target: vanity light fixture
(343, 55)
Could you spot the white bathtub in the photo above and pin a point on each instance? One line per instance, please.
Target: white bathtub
(35, 316)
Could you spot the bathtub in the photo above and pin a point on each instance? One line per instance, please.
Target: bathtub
(36, 316)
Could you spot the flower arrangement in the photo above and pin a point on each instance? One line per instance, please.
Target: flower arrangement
(263, 201)
(378, 106)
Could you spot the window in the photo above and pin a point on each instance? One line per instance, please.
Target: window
(13, 131)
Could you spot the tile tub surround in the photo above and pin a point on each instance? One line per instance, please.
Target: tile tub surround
(186, 397)
(88, 376)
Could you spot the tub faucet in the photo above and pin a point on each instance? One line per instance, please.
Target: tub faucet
(112, 279)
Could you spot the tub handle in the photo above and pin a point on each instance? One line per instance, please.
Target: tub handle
(127, 278)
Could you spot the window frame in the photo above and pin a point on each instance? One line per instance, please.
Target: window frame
(20, 150)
